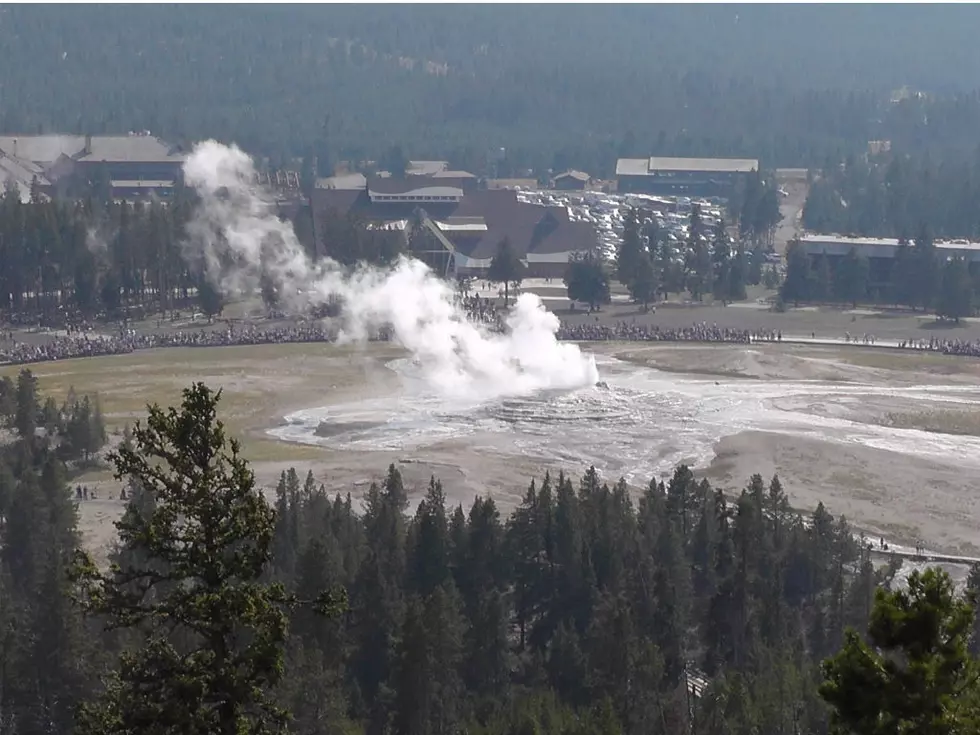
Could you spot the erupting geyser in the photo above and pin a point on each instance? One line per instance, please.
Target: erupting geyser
(238, 239)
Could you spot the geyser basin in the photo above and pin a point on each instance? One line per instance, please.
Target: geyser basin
(640, 425)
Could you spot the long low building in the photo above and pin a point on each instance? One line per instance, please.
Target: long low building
(876, 248)
(466, 227)
(703, 177)
(880, 254)
(138, 164)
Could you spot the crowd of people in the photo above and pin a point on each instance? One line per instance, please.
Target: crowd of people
(84, 342)
(88, 344)
(631, 332)
(481, 311)
(966, 348)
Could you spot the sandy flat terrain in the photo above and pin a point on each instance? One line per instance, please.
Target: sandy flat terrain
(861, 430)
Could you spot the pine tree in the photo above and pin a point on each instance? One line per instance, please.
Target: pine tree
(956, 296)
(643, 287)
(209, 538)
(796, 286)
(914, 674)
(851, 282)
(506, 267)
(927, 269)
(904, 275)
(630, 249)
(586, 280)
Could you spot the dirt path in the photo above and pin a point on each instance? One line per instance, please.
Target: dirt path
(793, 182)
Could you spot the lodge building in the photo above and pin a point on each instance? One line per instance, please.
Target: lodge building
(463, 227)
(693, 177)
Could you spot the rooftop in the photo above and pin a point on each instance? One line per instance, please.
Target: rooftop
(573, 174)
(880, 242)
(426, 168)
(653, 165)
(481, 219)
(20, 173)
(46, 149)
(143, 183)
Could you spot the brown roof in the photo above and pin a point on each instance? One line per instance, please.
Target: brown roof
(531, 227)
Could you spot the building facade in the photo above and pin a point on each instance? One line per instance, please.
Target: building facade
(468, 225)
(880, 254)
(571, 181)
(138, 164)
(695, 177)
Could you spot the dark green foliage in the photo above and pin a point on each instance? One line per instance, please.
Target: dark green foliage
(591, 609)
(956, 295)
(644, 285)
(631, 249)
(851, 282)
(796, 286)
(587, 281)
(914, 674)
(506, 267)
(699, 264)
(59, 260)
(213, 633)
(894, 196)
(631, 81)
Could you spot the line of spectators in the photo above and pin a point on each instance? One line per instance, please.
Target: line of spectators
(79, 343)
(963, 347)
(699, 332)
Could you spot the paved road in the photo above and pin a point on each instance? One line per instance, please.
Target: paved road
(790, 207)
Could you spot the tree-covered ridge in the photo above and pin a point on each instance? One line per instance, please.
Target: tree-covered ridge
(574, 87)
(91, 257)
(589, 609)
(48, 652)
(897, 196)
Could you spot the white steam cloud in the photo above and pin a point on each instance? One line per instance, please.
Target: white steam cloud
(237, 237)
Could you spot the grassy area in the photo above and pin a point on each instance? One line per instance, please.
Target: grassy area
(883, 359)
(260, 383)
(940, 421)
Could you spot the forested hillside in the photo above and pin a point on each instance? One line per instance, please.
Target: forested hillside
(583, 612)
(554, 86)
(897, 196)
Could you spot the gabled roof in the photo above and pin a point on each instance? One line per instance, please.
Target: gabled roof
(632, 166)
(346, 181)
(655, 165)
(573, 174)
(448, 174)
(45, 149)
(22, 174)
(426, 168)
(415, 186)
(481, 219)
(715, 165)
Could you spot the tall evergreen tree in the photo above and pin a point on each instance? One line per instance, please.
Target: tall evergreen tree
(914, 674)
(209, 536)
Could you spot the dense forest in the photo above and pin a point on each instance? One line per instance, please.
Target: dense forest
(94, 258)
(898, 195)
(590, 609)
(575, 86)
(72, 260)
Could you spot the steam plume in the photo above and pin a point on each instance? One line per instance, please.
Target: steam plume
(237, 237)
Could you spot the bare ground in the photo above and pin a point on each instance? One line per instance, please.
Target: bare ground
(900, 497)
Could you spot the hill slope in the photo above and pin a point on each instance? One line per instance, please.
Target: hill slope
(553, 84)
